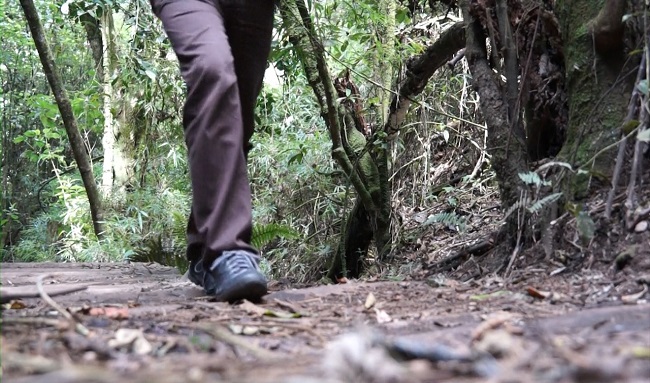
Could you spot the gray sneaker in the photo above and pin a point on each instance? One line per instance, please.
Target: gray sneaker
(231, 277)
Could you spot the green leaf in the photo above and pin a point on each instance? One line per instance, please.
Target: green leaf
(629, 126)
(586, 226)
(264, 234)
(297, 158)
(642, 86)
(532, 178)
(539, 205)
(644, 136)
(150, 74)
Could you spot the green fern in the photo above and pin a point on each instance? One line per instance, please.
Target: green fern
(521, 203)
(542, 203)
(153, 250)
(532, 178)
(264, 234)
(448, 219)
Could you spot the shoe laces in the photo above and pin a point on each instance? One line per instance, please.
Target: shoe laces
(236, 260)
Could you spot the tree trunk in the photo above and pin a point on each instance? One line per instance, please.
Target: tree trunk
(117, 141)
(69, 121)
(504, 142)
(348, 143)
(94, 37)
(365, 164)
(600, 78)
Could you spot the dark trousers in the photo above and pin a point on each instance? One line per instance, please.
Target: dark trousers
(222, 47)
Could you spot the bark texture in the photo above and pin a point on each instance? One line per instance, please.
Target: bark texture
(600, 78)
(505, 146)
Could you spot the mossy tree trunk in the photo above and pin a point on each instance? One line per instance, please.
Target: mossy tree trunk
(600, 77)
(498, 99)
(348, 143)
(565, 93)
(120, 118)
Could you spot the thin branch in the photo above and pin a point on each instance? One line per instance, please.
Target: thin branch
(302, 35)
(620, 158)
(81, 329)
(8, 296)
(221, 333)
(511, 70)
(420, 70)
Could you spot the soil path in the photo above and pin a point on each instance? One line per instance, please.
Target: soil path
(145, 323)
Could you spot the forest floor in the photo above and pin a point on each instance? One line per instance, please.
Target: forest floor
(145, 323)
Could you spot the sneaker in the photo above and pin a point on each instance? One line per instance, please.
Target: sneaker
(196, 272)
(231, 277)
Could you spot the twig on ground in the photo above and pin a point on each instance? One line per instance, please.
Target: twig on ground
(38, 320)
(221, 333)
(8, 296)
(520, 219)
(294, 326)
(81, 329)
(454, 260)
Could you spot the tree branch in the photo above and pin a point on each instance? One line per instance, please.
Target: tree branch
(420, 70)
(511, 69)
(303, 37)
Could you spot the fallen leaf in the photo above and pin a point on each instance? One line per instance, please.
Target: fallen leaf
(480, 297)
(641, 227)
(141, 346)
(14, 305)
(252, 308)
(539, 294)
(490, 323)
(633, 298)
(639, 352)
(342, 280)
(382, 316)
(289, 306)
(238, 329)
(250, 330)
(370, 301)
(498, 343)
(110, 312)
(133, 338)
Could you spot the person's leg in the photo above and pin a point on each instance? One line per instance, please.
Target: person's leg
(220, 220)
(214, 133)
(249, 26)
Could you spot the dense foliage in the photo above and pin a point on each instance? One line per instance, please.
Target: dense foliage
(127, 96)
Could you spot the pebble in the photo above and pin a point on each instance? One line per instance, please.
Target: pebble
(641, 227)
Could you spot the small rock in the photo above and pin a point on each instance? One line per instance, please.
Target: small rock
(641, 227)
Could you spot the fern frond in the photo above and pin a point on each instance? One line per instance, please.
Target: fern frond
(521, 203)
(447, 219)
(539, 205)
(264, 234)
(532, 178)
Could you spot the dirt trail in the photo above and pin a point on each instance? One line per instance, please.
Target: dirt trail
(147, 324)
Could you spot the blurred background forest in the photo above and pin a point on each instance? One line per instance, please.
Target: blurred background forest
(393, 137)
